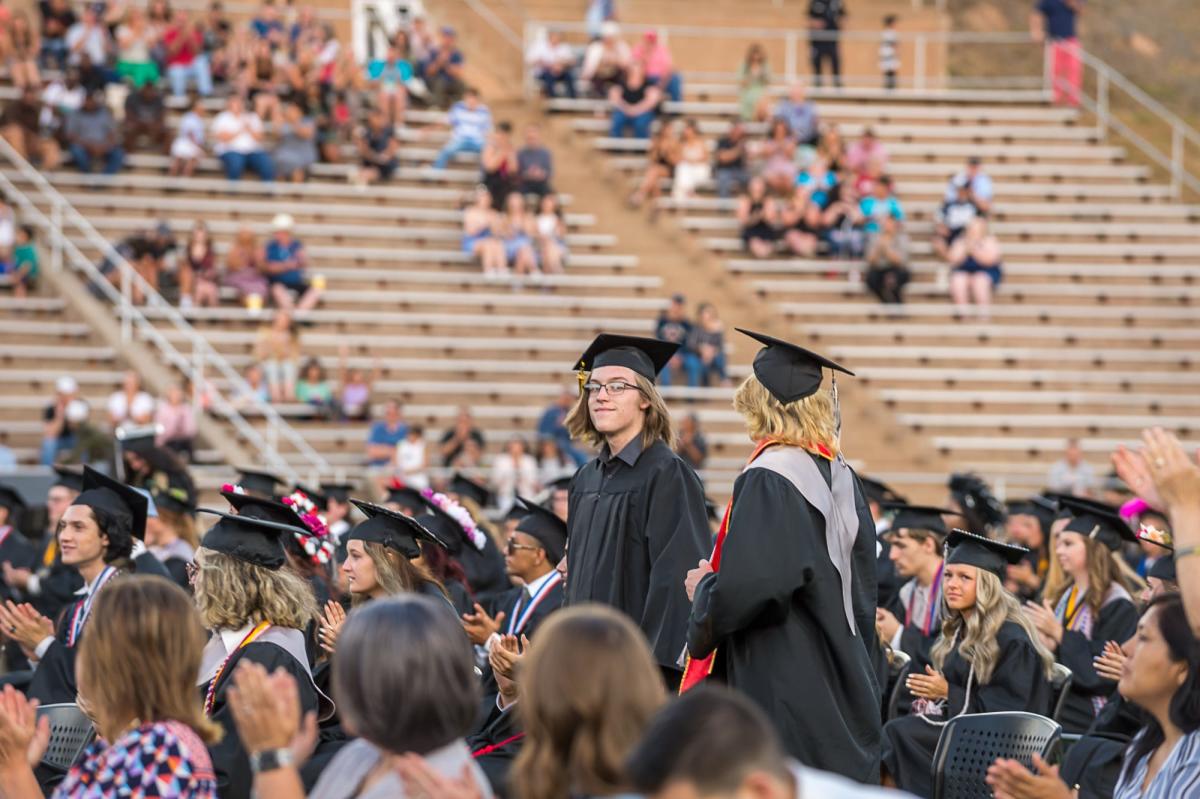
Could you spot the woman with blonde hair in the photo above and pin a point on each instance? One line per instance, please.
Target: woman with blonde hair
(987, 659)
(1092, 606)
(784, 611)
(152, 729)
(588, 688)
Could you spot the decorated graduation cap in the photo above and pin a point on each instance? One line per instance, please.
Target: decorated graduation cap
(249, 539)
(68, 478)
(254, 481)
(1098, 521)
(11, 499)
(920, 517)
(318, 498)
(270, 510)
(549, 530)
(878, 491)
(122, 502)
(392, 529)
(788, 371)
(645, 356)
(407, 497)
(450, 522)
(984, 553)
(471, 489)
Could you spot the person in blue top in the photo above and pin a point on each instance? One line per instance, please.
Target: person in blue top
(388, 77)
(878, 204)
(1053, 21)
(286, 264)
(443, 70)
(385, 434)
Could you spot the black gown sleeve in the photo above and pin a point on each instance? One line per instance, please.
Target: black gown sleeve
(53, 679)
(916, 644)
(1117, 621)
(761, 566)
(1017, 668)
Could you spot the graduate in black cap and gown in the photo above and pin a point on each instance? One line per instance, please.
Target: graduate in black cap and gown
(785, 611)
(47, 583)
(1091, 609)
(917, 538)
(987, 659)
(636, 520)
(15, 549)
(263, 624)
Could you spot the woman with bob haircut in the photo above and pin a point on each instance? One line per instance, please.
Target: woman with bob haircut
(151, 726)
(588, 688)
(405, 684)
(785, 609)
(988, 658)
(257, 611)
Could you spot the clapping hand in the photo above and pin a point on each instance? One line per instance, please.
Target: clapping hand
(1009, 779)
(480, 626)
(930, 685)
(1110, 662)
(266, 709)
(332, 619)
(23, 736)
(23, 624)
(503, 658)
(1043, 618)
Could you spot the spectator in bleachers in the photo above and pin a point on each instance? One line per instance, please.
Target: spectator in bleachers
(634, 103)
(887, 261)
(729, 165)
(238, 141)
(286, 265)
(661, 159)
(598, 13)
(63, 96)
(186, 59)
(754, 83)
(389, 76)
(412, 458)
(188, 146)
(244, 270)
(420, 39)
(792, 225)
(277, 348)
(979, 185)
(758, 219)
(880, 204)
(121, 402)
(57, 18)
(470, 123)
(705, 357)
(552, 425)
(825, 20)
(145, 119)
(296, 151)
(692, 446)
(514, 471)
(779, 157)
(354, 388)
(91, 134)
(58, 432)
(694, 167)
(24, 262)
(1072, 475)
(606, 60)
(517, 229)
(551, 235)
(385, 434)
(481, 235)
(889, 52)
(977, 269)
(535, 164)
(21, 126)
(674, 326)
(457, 437)
(553, 463)
(800, 113)
(267, 26)
(1053, 21)
(951, 219)
(378, 149)
(866, 153)
(313, 388)
(553, 63)
(176, 420)
(88, 37)
(199, 273)
(218, 33)
(498, 164)
(21, 51)
(655, 58)
(817, 184)
(136, 39)
(442, 70)
(832, 146)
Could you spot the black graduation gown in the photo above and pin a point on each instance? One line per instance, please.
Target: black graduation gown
(460, 597)
(230, 761)
(486, 573)
(914, 642)
(775, 613)
(18, 552)
(1094, 763)
(1018, 683)
(636, 525)
(1116, 621)
(495, 747)
(888, 582)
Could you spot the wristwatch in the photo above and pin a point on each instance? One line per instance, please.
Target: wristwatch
(270, 759)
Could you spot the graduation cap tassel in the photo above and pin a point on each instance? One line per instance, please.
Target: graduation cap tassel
(837, 408)
(581, 376)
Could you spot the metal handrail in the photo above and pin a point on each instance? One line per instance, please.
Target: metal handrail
(203, 354)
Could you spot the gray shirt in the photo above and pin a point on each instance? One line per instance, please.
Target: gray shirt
(539, 157)
(92, 127)
(343, 777)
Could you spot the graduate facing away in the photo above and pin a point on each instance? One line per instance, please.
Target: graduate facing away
(785, 610)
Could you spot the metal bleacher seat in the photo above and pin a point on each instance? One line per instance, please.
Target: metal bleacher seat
(969, 744)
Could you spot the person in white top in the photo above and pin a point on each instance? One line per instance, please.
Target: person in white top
(411, 459)
(88, 37)
(514, 472)
(238, 141)
(713, 743)
(121, 403)
(553, 61)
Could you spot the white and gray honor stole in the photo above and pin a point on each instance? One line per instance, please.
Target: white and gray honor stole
(834, 502)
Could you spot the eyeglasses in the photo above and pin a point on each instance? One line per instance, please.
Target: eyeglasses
(511, 547)
(192, 570)
(615, 388)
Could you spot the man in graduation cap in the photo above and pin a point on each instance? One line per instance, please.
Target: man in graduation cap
(96, 537)
(635, 517)
(48, 584)
(785, 612)
(917, 537)
(15, 550)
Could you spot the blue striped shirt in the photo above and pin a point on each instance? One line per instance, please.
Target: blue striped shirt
(467, 124)
(1179, 776)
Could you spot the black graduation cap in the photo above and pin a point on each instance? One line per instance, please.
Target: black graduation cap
(645, 356)
(266, 509)
(179, 494)
(319, 499)
(920, 517)
(256, 541)
(880, 492)
(444, 526)
(549, 530)
(466, 487)
(339, 492)
(407, 497)
(1041, 508)
(789, 372)
(1097, 520)
(138, 439)
(517, 511)
(123, 502)
(984, 553)
(258, 482)
(11, 498)
(560, 484)
(392, 529)
(68, 478)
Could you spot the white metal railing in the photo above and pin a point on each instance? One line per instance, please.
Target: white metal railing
(131, 318)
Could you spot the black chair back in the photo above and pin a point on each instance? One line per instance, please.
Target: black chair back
(970, 744)
(1060, 685)
(70, 733)
(893, 704)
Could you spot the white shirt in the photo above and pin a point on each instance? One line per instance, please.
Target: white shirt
(119, 407)
(919, 596)
(530, 590)
(245, 126)
(95, 43)
(545, 55)
(410, 458)
(814, 784)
